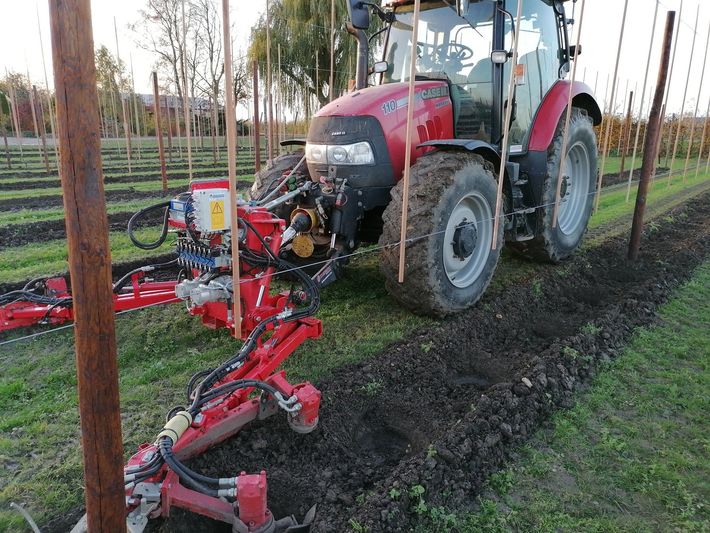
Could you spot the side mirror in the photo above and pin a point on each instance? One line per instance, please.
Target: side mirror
(359, 14)
(380, 67)
(499, 57)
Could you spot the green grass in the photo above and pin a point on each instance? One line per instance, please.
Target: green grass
(633, 455)
(613, 204)
(49, 258)
(158, 351)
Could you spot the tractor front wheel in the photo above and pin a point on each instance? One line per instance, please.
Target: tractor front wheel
(268, 177)
(449, 255)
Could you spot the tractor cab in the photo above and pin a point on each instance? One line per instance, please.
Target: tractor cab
(468, 47)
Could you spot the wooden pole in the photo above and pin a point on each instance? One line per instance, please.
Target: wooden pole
(231, 120)
(649, 149)
(685, 94)
(270, 109)
(627, 131)
(169, 125)
(33, 108)
(611, 106)
(257, 138)
(7, 149)
(506, 128)
(114, 117)
(185, 98)
(89, 264)
(126, 129)
(643, 101)
(8, 163)
(702, 140)
(331, 79)
(660, 138)
(621, 122)
(695, 113)
(408, 147)
(16, 118)
(670, 77)
(568, 117)
(52, 123)
(213, 133)
(158, 132)
(137, 130)
(42, 136)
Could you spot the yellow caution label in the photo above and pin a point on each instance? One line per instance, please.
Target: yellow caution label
(217, 214)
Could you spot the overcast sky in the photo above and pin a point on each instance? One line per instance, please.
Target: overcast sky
(20, 49)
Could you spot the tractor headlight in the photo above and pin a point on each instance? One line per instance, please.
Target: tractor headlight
(359, 153)
(316, 153)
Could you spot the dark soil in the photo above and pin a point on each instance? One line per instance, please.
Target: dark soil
(49, 230)
(616, 178)
(452, 403)
(46, 202)
(143, 176)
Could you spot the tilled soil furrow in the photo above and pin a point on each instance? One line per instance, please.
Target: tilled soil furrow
(445, 408)
(44, 202)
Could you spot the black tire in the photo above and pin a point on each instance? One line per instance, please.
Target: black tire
(267, 178)
(554, 244)
(439, 184)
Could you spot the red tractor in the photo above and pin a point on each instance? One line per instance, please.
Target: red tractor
(344, 189)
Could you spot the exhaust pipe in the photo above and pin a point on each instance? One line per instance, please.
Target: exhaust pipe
(362, 49)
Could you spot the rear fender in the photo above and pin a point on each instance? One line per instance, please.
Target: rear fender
(553, 105)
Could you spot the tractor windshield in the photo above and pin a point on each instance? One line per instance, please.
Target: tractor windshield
(447, 45)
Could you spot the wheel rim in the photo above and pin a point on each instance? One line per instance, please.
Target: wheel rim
(472, 210)
(575, 189)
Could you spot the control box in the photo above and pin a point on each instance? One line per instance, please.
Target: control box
(211, 209)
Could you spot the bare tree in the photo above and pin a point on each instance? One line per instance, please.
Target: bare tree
(159, 30)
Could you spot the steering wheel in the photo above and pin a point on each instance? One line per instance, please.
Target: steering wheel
(453, 52)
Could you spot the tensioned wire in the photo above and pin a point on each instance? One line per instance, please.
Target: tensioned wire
(356, 253)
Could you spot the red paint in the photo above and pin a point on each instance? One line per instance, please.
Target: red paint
(377, 102)
(551, 109)
(251, 496)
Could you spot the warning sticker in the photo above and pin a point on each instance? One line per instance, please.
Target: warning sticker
(217, 214)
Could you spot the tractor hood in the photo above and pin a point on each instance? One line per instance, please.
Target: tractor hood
(381, 112)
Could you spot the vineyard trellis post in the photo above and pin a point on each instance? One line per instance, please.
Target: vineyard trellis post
(89, 264)
(695, 113)
(685, 94)
(408, 148)
(126, 128)
(257, 137)
(158, 132)
(651, 141)
(497, 215)
(231, 120)
(41, 127)
(643, 101)
(627, 133)
(610, 107)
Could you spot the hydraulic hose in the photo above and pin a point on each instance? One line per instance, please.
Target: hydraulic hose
(148, 268)
(140, 214)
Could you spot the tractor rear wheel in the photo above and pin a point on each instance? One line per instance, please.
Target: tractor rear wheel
(576, 194)
(449, 256)
(268, 177)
